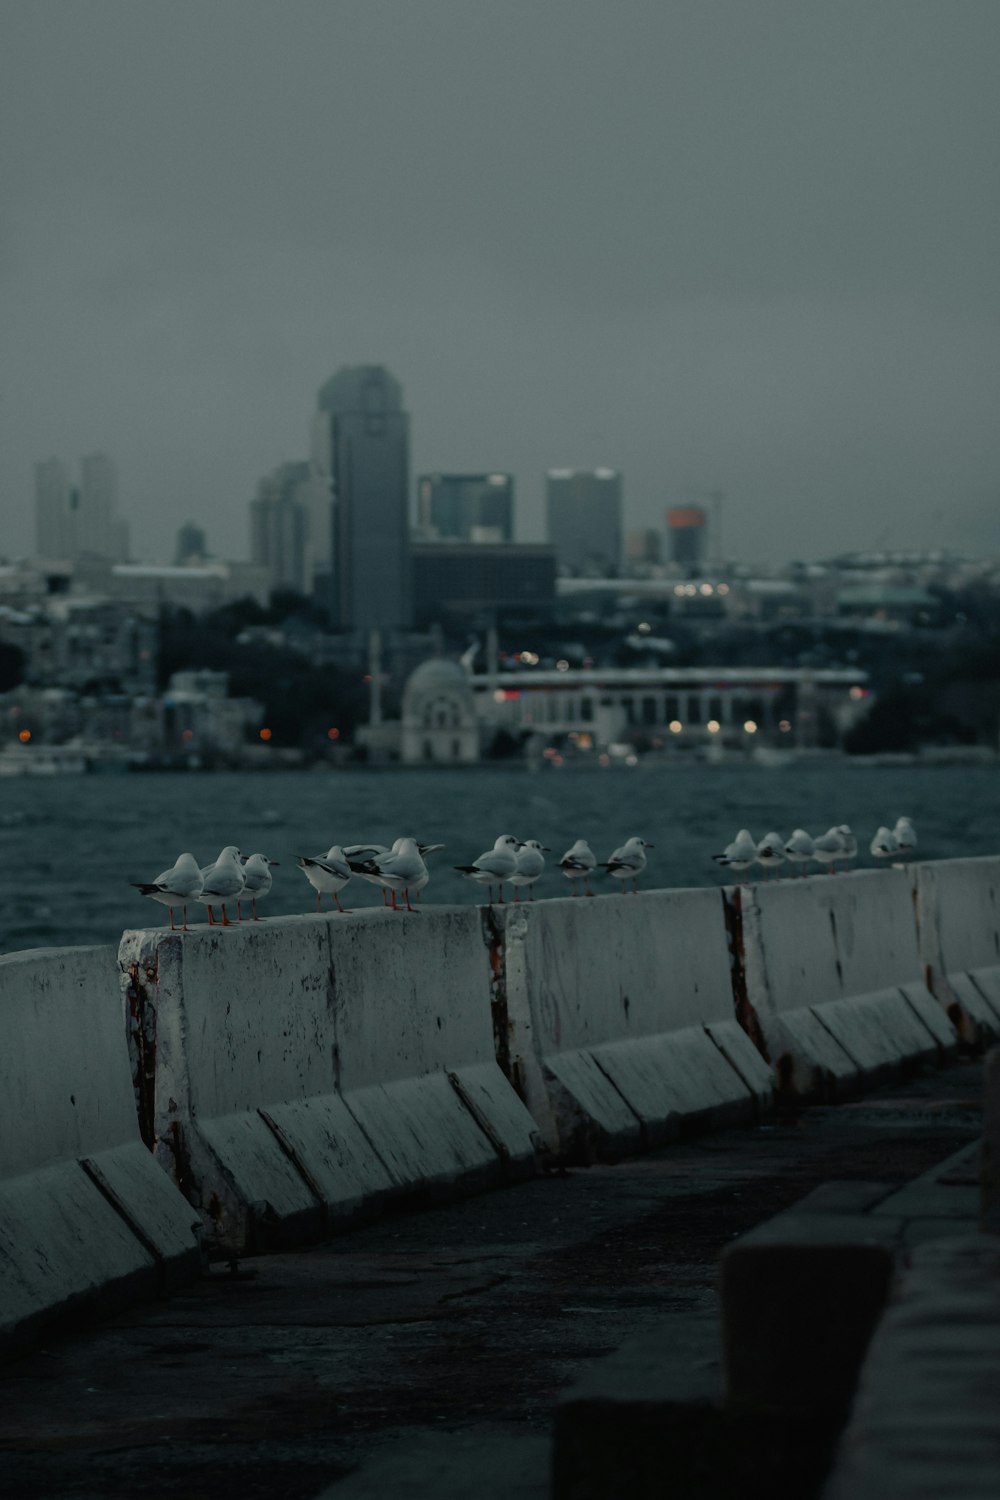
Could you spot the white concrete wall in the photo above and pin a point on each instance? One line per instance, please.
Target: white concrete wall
(833, 972)
(958, 913)
(85, 1213)
(622, 1019)
(309, 1066)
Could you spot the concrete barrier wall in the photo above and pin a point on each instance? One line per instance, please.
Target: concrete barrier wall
(620, 1019)
(309, 1068)
(833, 973)
(86, 1216)
(958, 915)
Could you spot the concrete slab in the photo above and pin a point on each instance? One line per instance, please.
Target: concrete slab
(486, 1464)
(926, 1421)
(879, 1031)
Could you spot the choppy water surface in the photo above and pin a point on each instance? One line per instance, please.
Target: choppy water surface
(71, 845)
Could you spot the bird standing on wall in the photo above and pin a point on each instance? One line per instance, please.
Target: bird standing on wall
(828, 848)
(421, 880)
(358, 855)
(906, 835)
(221, 882)
(577, 863)
(740, 854)
(628, 862)
(401, 870)
(530, 864)
(494, 866)
(328, 872)
(771, 852)
(256, 881)
(799, 848)
(175, 887)
(884, 845)
(850, 849)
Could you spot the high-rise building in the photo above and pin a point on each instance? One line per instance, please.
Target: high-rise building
(687, 531)
(74, 522)
(361, 449)
(584, 508)
(466, 507)
(280, 528)
(191, 546)
(55, 535)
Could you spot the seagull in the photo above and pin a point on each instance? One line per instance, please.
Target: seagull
(628, 862)
(359, 855)
(577, 863)
(885, 844)
(326, 872)
(799, 849)
(850, 844)
(495, 866)
(401, 870)
(256, 880)
(221, 882)
(906, 835)
(771, 851)
(175, 887)
(421, 880)
(828, 848)
(530, 865)
(740, 854)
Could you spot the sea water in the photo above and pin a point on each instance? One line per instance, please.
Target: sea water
(71, 845)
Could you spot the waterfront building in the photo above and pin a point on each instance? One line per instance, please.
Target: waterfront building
(466, 507)
(584, 512)
(192, 545)
(55, 511)
(279, 528)
(360, 452)
(439, 723)
(469, 578)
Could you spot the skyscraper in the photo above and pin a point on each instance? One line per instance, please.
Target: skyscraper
(584, 508)
(361, 449)
(466, 507)
(80, 522)
(279, 528)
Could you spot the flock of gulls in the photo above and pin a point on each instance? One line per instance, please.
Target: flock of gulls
(837, 846)
(401, 872)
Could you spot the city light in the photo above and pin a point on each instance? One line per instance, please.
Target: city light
(265, 734)
(857, 693)
(24, 736)
(722, 588)
(562, 665)
(713, 726)
(785, 726)
(333, 734)
(750, 726)
(675, 726)
(706, 588)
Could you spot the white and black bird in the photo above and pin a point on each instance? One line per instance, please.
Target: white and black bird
(421, 880)
(221, 882)
(828, 848)
(401, 870)
(850, 850)
(628, 862)
(327, 873)
(256, 881)
(799, 848)
(175, 887)
(530, 865)
(884, 845)
(359, 856)
(577, 863)
(495, 865)
(740, 854)
(906, 835)
(771, 852)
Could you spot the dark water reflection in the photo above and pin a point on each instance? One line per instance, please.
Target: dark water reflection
(71, 844)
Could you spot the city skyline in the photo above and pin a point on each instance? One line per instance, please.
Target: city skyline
(716, 246)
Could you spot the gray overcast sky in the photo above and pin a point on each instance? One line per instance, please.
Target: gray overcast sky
(739, 244)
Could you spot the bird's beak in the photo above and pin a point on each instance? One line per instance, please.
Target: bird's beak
(649, 846)
(546, 849)
(274, 861)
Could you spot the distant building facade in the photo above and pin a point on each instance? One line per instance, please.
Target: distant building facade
(468, 578)
(191, 545)
(687, 530)
(360, 452)
(280, 528)
(466, 507)
(584, 512)
(439, 724)
(73, 521)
